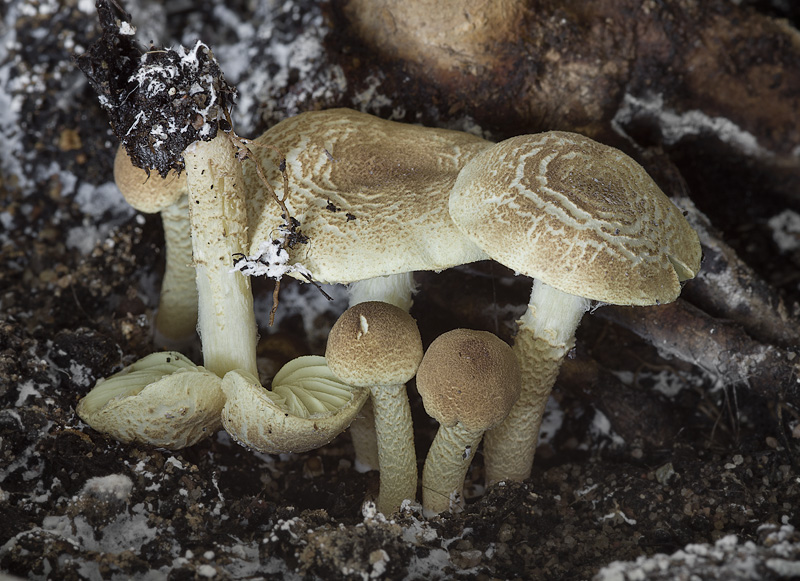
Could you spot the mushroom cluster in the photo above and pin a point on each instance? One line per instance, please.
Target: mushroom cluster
(379, 200)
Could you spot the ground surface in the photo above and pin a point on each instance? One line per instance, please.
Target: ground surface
(690, 462)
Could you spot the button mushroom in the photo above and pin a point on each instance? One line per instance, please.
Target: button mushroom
(377, 345)
(176, 320)
(468, 381)
(589, 224)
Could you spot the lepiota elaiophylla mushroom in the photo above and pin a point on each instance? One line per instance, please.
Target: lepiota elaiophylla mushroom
(588, 224)
(377, 345)
(176, 319)
(468, 381)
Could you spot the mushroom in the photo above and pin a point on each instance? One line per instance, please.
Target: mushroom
(468, 381)
(163, 400)
(306, 408)
(377, 345)
(173, 115)
(176, 320)
(589, 224)
(226, 319)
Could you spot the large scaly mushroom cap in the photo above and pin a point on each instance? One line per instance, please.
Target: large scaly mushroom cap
(307, 407)
(580, 216)
(371, 195)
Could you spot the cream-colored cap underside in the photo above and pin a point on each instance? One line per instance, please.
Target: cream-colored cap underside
(578, 215)
(389, 181)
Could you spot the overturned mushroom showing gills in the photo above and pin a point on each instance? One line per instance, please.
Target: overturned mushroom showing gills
(162, 400)
(589, 224)
(468, 381)
(176, 320)
(306, 408)
(377, 345)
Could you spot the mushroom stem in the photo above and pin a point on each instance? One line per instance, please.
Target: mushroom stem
(545, 336)
(395, 289)
(396, 457)
(226, 320)
(446, 467)
(176, 321)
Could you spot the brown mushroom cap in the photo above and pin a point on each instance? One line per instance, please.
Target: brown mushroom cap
(370, 194)
(374, 343)
(581, 216)
(145, 193)
(468, 377)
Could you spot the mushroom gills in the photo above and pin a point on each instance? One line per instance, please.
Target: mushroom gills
(306, 408)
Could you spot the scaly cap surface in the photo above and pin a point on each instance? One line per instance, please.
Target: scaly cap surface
(370, 194)
(468, 377)
(581, 216)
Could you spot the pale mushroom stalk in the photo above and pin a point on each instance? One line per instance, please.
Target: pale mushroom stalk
(546, 334)
(397, 290)
(397, 460)
(226, 319)
(176, 320)
(446, 466)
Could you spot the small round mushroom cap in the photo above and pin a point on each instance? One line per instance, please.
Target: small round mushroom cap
(148, 194)
(374, 343)
(468, 377)
(582, 217)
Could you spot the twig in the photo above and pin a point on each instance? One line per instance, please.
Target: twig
(719, 347)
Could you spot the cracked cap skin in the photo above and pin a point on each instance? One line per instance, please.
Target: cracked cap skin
(580, 216)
